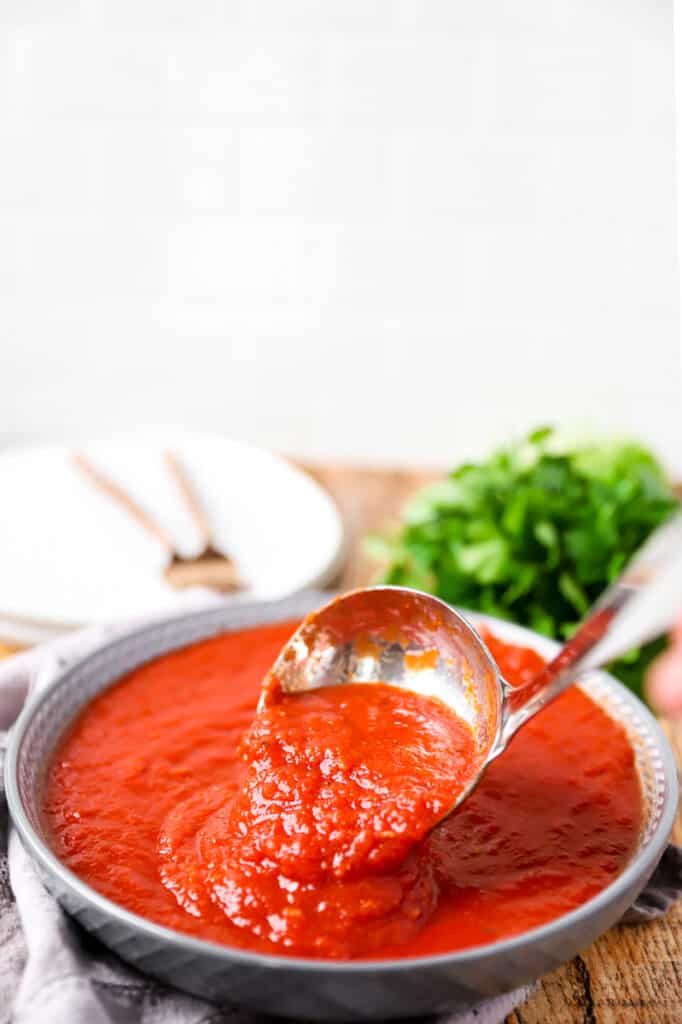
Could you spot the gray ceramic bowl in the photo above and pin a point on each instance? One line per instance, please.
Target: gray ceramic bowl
(309, 988)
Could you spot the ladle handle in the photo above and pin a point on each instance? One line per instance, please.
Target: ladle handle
(640, 605)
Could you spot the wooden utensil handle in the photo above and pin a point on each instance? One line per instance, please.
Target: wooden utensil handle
(115, 491)
(190, 498)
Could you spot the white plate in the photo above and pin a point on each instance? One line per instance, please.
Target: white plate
(70, 555)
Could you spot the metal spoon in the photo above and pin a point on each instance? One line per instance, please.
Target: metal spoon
(410, 639)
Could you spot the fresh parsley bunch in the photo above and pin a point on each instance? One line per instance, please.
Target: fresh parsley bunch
(534, 534)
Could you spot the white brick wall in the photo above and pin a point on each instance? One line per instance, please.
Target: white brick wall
(391, 231)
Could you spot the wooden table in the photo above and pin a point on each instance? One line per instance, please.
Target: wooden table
(632, 975)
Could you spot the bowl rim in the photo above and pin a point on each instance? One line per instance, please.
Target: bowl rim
(640, 866)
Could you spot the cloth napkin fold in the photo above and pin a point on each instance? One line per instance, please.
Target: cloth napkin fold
(52, 971)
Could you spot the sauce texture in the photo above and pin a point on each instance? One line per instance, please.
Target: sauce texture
(301, 831)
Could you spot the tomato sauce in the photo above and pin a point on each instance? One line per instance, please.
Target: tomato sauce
(305, 830)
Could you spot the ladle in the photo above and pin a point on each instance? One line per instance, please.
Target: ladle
(411, 639)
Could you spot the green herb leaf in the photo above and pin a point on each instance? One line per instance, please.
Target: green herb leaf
(534, 533)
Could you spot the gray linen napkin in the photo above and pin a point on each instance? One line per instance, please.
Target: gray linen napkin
(52, 970)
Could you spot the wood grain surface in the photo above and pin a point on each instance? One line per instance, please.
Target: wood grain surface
(632, 975)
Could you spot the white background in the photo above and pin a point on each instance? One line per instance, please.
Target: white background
(375, 231)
